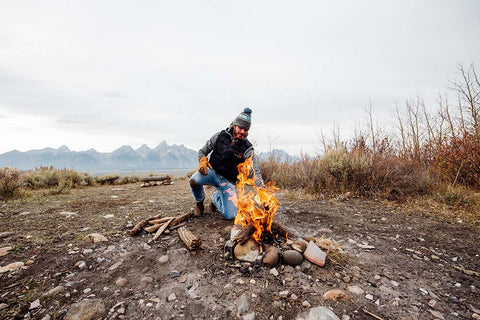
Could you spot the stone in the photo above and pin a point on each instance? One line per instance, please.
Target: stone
(274, 272)
(95, 238)
(54, 291)
(272, 256)
(86, 310)
(146, 280)
(171, 297)
(115, 265)
(315, 255)
(292, 258)
(121, 282)
(437, 314)
(35, 304)
(300, 245)
(355, 290)
(81, 264)
(3, 306)
(306, 304)
(249, 316)
(335, 295)
(249, 251)
(163, 259)
(318, 313)
(243, 304)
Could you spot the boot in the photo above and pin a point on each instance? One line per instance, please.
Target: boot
(199, 209)
(213, 208)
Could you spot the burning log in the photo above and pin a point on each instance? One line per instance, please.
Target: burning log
(191, 241)
(285, 231)
(141, 224)
(244, 234)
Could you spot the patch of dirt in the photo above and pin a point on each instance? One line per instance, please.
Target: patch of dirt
(399, 265)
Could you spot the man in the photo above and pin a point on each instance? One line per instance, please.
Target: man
(227, 149)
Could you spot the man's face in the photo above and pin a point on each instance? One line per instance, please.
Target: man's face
(239, 133)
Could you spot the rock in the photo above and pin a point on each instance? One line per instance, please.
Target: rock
(86, 310)
(300, 245)
(4, 251)
(284, 293)
(243, 304)
(306, 304)
(68, 214)
(249, 251)
(171, 297)
(109, 216)
(272, 256)
(318, 313)
(81, 264)
(368, 296)
(14, 266)
(437, 314)
(115, 265)
(235, 230)
(54, 291)
(315, 255)
(146, 280)
(355, 290)
(3, 306)
(274, 272)
(87, 251)
(163, 259)
(292, 258)
(335, 295)
(35, 304)
(95, 238)
(121, 282)
(249, 316)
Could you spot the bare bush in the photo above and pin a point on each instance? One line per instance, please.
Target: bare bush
(10, 183)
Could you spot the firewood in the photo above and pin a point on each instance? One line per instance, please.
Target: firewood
(161, 229)
(181, 218)
(156, 178)
(159, 221)
(153, 228)
(191, 241)
(142, 224)
(285, 231)
(244, 234)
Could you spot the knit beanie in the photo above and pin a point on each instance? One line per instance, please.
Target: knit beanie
(244, 119)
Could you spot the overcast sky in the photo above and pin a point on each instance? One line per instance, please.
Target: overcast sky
(102, 74)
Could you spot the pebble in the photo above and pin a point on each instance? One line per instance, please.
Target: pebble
(81, 264)
(355, 290)
(87, 251)
(273, 272)
(35, 304)
(121, 282)
(29, 262)
(243, 304)
(146, 280)
(87, 290)
(163, 259)
(55, 291)
(283, 294)
(306, 304)
(171, 297)
(3, 306)
(369, 296)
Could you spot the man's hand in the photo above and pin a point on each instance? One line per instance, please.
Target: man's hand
(203, 166)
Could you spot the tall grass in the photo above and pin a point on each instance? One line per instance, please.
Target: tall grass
(428, 153)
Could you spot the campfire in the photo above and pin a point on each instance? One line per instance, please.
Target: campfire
(255, 227)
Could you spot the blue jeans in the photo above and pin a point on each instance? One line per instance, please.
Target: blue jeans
(224, 198)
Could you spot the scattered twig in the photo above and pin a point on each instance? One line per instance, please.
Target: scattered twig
(471, 272)
(161, 229)
(142, 224)
(372, 314)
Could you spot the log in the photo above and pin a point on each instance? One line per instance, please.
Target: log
(153, 228)
(244, 234)
(161, 229)
(191, 241)
(156, 178)
(141, 224)
(159, 221)
(181, 218)
(285, 231)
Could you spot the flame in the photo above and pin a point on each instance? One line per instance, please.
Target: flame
(258, 206)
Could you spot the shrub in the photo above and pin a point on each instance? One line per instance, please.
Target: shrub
(10, 183)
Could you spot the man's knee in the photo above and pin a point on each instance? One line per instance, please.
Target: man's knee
(193, 183)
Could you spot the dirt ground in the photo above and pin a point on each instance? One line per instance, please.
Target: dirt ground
(399, 265)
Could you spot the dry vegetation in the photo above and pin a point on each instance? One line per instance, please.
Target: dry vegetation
(432, 156)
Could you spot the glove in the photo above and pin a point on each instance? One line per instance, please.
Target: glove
(203, 166)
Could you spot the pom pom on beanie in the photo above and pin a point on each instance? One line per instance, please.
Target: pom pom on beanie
(244, 119)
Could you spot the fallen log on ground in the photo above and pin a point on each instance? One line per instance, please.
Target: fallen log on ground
(156, 178)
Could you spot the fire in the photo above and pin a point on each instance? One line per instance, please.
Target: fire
(258, 206)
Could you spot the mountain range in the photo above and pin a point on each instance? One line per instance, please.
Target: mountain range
(124, 158)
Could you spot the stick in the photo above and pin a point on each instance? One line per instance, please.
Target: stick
(161, 229)
(284, 231)
(371, 314)
(467, 271)
(141, 224)
(181, 218)
(153, 228)
(157, 221)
